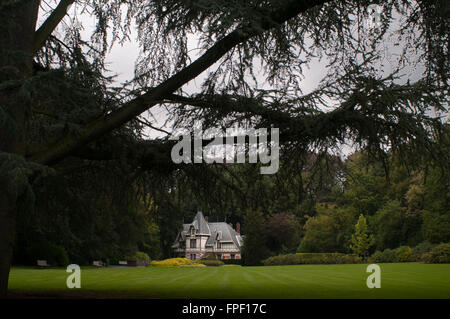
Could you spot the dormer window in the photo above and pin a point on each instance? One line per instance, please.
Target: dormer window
(192, 231)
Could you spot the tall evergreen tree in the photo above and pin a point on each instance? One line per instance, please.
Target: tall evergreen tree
(254, 249)
(362, 240)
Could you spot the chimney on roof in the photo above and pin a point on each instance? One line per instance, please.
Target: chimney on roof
(206, 218)
(238, 228)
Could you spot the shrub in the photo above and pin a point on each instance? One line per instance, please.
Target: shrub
(211, 263)
(59, 255)
(427, 258)
(439, 254)
(403, 254)
(172, 262)
(45, 250)
(138, 259)
(139, 255)
(377, 257)
(211, 257)
(388, 256)
(385, 256)
(422, 248)
(312, 258)
(142, 256)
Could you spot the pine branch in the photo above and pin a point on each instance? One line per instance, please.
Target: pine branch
(139, 105)
(47, 28)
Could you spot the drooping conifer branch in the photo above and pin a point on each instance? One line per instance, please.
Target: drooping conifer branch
(49, 25)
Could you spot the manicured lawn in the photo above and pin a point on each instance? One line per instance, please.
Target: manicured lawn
(401, 280)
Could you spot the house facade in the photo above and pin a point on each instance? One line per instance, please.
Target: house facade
(200, 238)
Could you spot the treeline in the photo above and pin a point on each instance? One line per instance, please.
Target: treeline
(406, 207)
(106, 210)
(402, 205)
(89, 214)
(102, 212)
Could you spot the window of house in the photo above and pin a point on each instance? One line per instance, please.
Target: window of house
(193, 257)
(193, 243)
(219, 256)
(231, 256)
(219, 244)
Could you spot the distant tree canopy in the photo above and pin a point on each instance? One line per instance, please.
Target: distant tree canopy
(59, 112)
(406, 207)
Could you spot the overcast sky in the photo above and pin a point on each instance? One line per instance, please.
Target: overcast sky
(121, 61)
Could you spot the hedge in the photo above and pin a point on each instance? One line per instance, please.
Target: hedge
(172, 262)
(422, 248)
(404, 254)
(210, 263)
(399, 255)
(386, 256)
(438, 255)
(425, 252)
(312, 258)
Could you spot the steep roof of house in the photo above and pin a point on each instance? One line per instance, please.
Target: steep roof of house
(225, 232)
(200, 224)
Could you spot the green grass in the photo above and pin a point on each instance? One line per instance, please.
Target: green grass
(400, 280)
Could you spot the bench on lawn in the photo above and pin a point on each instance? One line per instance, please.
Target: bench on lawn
(123, 262)
(97, 263)
(42, 263)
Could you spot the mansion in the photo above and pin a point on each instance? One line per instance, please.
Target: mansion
(200, 238)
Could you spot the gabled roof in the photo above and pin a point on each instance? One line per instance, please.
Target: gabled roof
(200, 224)
(225, 232)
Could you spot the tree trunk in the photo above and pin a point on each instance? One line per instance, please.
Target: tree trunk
(7, 210)
(16, 55)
